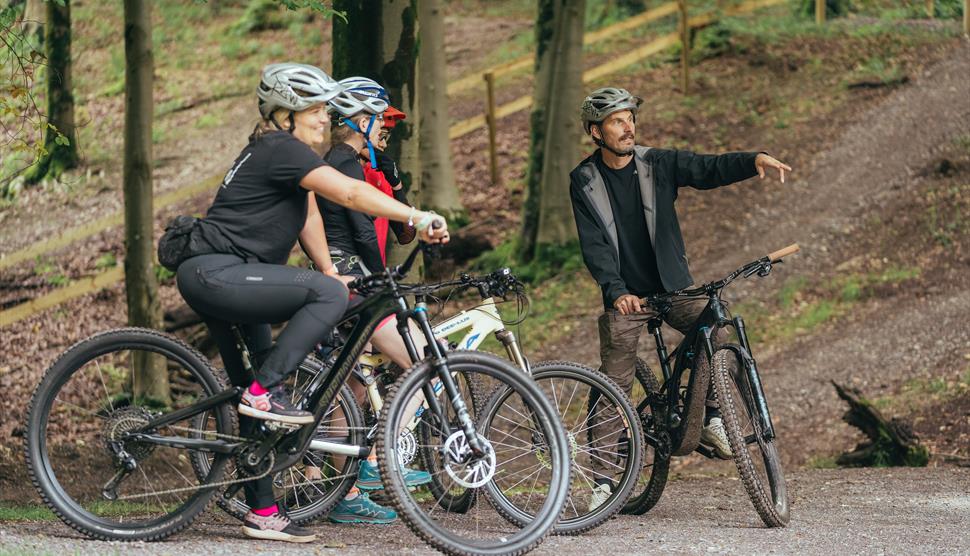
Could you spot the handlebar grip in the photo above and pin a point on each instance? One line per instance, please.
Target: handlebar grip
(784, 252)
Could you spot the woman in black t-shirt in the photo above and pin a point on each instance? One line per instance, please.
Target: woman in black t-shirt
(238, 274)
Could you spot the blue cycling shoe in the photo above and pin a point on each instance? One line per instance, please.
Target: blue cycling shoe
(369, 477)
(361, 509)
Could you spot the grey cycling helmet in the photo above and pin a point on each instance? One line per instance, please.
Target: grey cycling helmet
(603, 102)
(294, 87)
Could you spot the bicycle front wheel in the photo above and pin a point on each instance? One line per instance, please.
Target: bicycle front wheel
(605, 447)
(656, 456)
(532, 431)
(82, 456)
(756, 457)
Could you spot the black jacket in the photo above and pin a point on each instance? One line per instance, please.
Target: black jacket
(661, 173)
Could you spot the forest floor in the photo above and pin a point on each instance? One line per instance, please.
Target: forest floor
(874, 115)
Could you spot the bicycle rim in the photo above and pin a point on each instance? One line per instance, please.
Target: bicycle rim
(481, 530)
(756, 458)
(77, 424)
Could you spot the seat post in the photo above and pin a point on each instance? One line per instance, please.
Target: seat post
(654, 325)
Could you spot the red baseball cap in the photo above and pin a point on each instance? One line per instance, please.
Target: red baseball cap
(391, 116)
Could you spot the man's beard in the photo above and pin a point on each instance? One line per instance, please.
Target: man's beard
(621, 152)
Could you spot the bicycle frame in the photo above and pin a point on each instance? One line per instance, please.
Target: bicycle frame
(323, 388)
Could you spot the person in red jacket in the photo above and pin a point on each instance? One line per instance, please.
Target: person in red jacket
(386, 178)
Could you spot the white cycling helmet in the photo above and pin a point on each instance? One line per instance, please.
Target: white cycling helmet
(294, 87)
(361, 94)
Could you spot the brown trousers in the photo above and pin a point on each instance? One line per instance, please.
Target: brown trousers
(619, 337)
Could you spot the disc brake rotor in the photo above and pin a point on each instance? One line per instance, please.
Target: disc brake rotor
(465, 469)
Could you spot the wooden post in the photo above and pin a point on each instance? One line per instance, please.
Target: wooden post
(684, 46)
(490, 120)
(930, 9)
(966, 17)
(819, 12)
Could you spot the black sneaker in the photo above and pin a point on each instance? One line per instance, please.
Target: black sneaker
(276, 527)
(274, 405)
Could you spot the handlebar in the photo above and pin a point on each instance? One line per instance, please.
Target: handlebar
(783, 252)
(761, 267)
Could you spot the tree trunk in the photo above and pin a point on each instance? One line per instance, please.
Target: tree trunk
(439, 191)
(559, 86)
(545, 31)
(60, 136)
(149, 375)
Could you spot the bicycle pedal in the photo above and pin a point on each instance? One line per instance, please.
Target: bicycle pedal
(277, 426)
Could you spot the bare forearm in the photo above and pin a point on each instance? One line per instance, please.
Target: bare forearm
(355, 194)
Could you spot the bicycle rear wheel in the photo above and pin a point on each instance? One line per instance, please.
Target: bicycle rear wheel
(77, 435)
(756, 458)
(656, 454)
(534, 431)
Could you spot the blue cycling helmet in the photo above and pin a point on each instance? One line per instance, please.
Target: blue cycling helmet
(361, 95)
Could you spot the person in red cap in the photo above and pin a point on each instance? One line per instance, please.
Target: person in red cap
(386, 178)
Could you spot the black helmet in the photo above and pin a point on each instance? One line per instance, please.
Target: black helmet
(603, 102)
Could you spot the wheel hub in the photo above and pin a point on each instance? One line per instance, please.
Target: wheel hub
(122, 421)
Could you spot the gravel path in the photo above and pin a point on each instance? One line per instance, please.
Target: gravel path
(859, 511)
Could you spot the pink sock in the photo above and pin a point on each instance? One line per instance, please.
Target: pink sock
(267, 511)
(257, 389)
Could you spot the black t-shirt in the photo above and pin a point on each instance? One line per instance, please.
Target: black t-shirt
(638, 263)
(260, 207)
(348, 230)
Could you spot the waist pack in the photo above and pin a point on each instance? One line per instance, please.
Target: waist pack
(173, 247)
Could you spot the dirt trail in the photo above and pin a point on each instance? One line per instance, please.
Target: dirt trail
(834, 512)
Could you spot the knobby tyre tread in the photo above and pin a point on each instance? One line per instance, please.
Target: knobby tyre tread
(759, 493)
(59, 372)
(699, 383)
(639, 504)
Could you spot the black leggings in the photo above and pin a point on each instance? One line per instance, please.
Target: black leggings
(226, 290)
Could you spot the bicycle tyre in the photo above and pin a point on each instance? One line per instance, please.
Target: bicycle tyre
(604, 386)
(659, 469)
(409, 509)
(688, 437)
(455, 503)
(39, 465)
(765, 485)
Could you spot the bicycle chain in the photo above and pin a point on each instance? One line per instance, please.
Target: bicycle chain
(207, 486)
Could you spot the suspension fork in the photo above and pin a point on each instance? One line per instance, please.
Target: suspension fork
(440, 362)
(507, 338)
(754, 379)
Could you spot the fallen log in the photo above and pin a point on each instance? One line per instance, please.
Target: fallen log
(890, 442)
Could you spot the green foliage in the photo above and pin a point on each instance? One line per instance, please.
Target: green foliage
(549, 261)
(25, 513)
(711, 41)
(821, 462)
(106, 261)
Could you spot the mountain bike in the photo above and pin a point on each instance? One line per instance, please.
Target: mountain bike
(672, 413)
(118, 466)
(579, 393)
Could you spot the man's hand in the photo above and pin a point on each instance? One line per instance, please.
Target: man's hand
(627, 304)
(763, 161)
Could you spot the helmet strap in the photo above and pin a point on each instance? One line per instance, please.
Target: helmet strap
(366, 134)
(602, 144)
(292, 123)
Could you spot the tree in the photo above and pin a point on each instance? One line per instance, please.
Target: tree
(379, 40)
(547, 215)
(60, 145)
(149, 375)
(439, 192)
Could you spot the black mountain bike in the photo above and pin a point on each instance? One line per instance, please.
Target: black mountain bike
(672, 413)
(119, 466)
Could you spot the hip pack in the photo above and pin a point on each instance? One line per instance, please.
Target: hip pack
(173, 247)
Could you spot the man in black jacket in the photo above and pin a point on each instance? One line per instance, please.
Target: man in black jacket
(623, 200)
